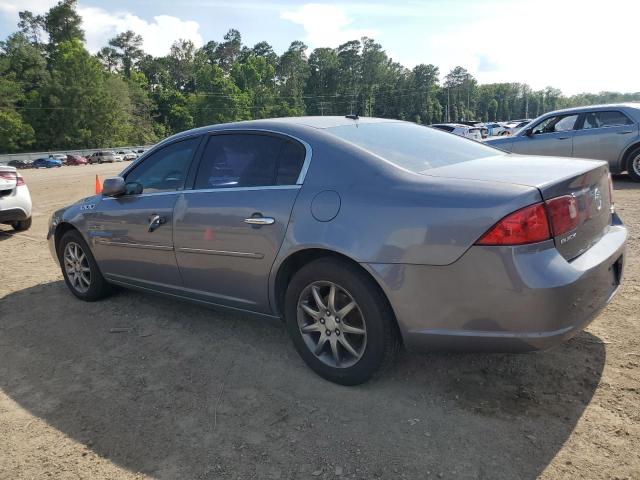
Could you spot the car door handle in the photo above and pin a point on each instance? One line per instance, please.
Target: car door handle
(625, 132)
(155, 221)
(563, 138)
(260, 221)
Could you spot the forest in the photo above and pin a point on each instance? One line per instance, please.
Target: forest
(56, 95)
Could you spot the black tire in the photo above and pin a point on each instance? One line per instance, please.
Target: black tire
(98, 287)
(21, 225)
(382, 336)
(634, 171)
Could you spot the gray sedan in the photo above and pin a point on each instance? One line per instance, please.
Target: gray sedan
(603, 132)
(365, 235)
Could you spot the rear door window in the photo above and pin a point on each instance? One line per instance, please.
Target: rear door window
(612, 118)
(249, 160)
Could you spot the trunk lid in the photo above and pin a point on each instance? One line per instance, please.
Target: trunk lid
(587, 181)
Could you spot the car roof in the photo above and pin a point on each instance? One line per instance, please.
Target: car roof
(604, 106)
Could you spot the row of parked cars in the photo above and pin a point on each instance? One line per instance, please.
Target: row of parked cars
(478, 130)
(55, 160)
(598, 132)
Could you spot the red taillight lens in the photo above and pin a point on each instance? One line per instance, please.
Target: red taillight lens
(564, 214)
(528, 225)
(19, 180)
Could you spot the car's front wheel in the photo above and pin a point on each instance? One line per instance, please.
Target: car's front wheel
(80, 270)
(340, 322)
(633, 165)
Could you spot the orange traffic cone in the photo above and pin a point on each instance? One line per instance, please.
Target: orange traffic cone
(98, 186)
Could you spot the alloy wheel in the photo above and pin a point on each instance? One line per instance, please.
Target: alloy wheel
(635, 165)
(76, 265)
(332, 324)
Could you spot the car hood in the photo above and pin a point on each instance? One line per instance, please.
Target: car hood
(543, 173)
(503, 143)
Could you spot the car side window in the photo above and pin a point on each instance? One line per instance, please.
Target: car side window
(559, 123)
(249, 160)
(605, 119)
(166, 169)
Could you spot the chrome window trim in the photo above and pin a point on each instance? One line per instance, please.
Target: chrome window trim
(301, 176)
(209, 190)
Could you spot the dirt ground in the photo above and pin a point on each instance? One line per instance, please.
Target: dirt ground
(186, 392)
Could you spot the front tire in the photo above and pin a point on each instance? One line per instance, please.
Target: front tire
(340, 322)
(21, 225)
(80, 270)
(633, 165)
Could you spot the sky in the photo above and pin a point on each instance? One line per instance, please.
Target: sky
(577, 46)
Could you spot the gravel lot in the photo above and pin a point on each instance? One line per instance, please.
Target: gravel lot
(187, 392)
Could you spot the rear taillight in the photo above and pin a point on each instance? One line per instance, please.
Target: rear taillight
(564, 215)
(19, 180)
(527, 225)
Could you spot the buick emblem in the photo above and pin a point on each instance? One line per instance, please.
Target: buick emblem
(597, 198)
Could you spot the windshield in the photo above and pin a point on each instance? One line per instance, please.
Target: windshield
(413, 147)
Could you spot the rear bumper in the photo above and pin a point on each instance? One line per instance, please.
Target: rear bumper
(16, 205)
(513, 299)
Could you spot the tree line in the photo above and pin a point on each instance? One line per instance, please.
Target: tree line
(55, 95)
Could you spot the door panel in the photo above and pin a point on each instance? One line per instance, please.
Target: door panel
(124, 246)
(604, 135)
(557, 144)
(222, 258)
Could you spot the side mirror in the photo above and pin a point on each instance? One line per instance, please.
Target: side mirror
(528, 132)
(114, 187)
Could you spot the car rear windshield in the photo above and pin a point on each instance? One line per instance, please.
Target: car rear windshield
(413, 147)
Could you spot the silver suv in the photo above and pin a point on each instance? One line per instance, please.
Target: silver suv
(603, 132)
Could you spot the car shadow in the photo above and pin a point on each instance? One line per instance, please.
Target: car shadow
(624, 182)
(181, 391)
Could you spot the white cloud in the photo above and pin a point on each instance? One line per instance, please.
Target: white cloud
(325, 25)
(578, 47)
(101, 25)
(158, 35)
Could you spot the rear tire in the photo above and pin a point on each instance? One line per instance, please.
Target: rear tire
(80, 270)
(21, 225)
(633, 165)
(348, 350)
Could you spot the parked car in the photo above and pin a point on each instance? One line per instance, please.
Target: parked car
(76, 160)
(364, 234)
(104, 157)
(512, 127)
(19, 164)
(474, 123)
(466, 131)
(495, 129)
(46, 163)
(15, 199)
(58, 156)
(127, 155)
(604, 132)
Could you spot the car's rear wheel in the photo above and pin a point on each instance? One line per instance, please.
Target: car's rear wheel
(340, 322)
(633, 165)
(80, 270)
(21, 225)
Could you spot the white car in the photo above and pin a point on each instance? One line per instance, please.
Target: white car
(127, 155)
(58, 156)
(15, 199)
(474, 133)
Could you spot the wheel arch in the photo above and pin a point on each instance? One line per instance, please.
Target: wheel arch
(61, 229)
(296, 260)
